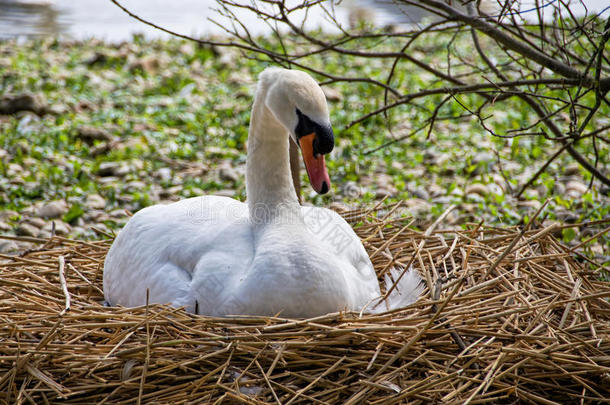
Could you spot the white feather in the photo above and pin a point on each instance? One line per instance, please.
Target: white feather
(219, 256)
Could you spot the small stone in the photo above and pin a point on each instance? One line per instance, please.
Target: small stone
(4, 227)
(435, 190)
(531, 204)
(8, 246)
(118, 213)
(103, 227)
(558, 231)
(351, 189)
(420, 192)
(332, 94)
(566, 216)
(339, 207)
(94, 216)
(37, 222)
(12, 103)
(170, 192)
(90, 134)
(98, 58)
(14, 170)
(164, 173)
(135, 186)
(430, 157)
(468, 207)
(559, 188)
(78, 231)
(477, 188)
(222, 193)
(227, 173)
(483, 157)
(418, 207)
(444, 200)
(117, 169)
(397, 165)
(572, 169)
(575, 188)
(61, 228)
(147, 64)
(382, 193)
(96, 202)
(25, 229)
(54, 209)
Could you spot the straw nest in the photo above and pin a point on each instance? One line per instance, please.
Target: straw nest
(508, 315)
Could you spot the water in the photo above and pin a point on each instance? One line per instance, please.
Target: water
(80, 19)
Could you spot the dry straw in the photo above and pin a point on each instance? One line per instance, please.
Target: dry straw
(509, 315)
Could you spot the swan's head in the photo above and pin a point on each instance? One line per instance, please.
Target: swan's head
(299, 104)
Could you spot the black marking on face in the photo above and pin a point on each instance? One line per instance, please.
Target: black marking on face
(324, 141)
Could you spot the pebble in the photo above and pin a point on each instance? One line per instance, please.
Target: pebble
(567, 216)
(421, 192)
(431, 157)
(116, 169)
(37, 222)
(14, 170)
(164, 174)
(135, 186)
(118, 213)
(531, 204)
(385, 192)
(477, 188)
(559, 188)
(575, 188)
(148, 64)
(4, 227)
(12, 103)
(61, 228)
(339, 207)
(444, 200)
(418, 207)
(90, 134)
(95, 201)
(573, 169)
(8, 246)
(223, 193)
(25, 229)
(332, 94)
(95, 216)
(397, 165)
(228, 173)
(9, 214)
(495, 189)
(435, 190)
(171, 192)
(54, 209)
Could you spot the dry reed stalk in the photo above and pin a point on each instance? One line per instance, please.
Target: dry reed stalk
(510, 315)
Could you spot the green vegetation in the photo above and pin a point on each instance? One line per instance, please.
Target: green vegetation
(147, 122)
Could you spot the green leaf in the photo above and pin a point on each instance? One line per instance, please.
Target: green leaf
(568, 234)
(73, 213)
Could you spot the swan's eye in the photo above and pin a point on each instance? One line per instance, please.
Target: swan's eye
(324, 141)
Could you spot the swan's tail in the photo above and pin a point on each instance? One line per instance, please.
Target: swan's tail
(407, 291)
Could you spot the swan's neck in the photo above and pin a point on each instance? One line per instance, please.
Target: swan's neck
(269, 185)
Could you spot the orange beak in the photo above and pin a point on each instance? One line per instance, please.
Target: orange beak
(315, 165)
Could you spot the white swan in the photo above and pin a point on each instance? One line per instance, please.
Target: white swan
(218, 256)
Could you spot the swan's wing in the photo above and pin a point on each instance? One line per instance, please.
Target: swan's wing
(162, 248)
(338, 237)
